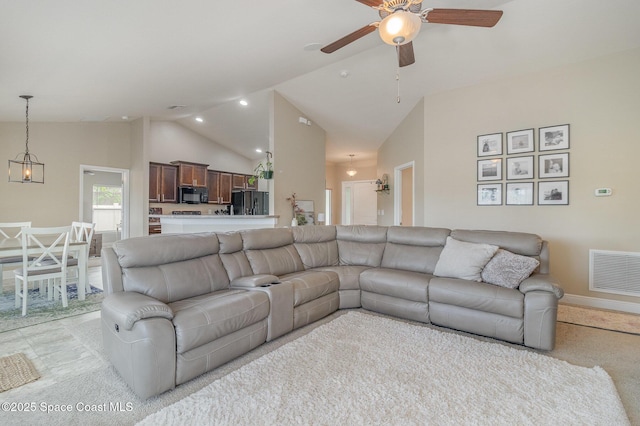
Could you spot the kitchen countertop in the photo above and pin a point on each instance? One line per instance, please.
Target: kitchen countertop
(212, 216)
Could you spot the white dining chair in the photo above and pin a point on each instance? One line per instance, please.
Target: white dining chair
(80, 232)
(10, 230)
(44, 257)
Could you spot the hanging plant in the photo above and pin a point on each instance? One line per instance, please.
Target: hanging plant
(263, 171)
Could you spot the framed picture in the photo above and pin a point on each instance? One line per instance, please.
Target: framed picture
(553, 138)
(520, 194)
(490, 145)
(553, 165)
(490, 194)
(520, 141)
(490, 169)
(553, 193)
(520, 167)
(304, 212)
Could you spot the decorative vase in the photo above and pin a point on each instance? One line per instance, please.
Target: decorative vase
(294, 221)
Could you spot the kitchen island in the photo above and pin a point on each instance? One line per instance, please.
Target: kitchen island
(187, 224)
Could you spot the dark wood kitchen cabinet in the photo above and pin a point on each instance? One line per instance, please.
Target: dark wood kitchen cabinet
(163, 183)
(191, 174)
(219, 187)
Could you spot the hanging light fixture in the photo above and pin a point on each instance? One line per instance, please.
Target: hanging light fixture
(26, 170)
(351, 171)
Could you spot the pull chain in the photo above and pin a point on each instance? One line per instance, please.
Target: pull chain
(398, 72)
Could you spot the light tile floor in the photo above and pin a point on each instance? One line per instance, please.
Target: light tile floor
(56, 349)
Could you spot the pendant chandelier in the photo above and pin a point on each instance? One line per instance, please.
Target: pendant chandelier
(351, 171)
(28, 169)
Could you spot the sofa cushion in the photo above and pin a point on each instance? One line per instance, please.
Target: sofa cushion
(349, 275)
(463, 260)
(516, 242)
(361, 245)
(311, 285)
(413, 248)
(477, 296)
(316, 245)
(203, 319)
(276, 261)
(396, 283)
(507, 269)
(162, 249)
(178, 280)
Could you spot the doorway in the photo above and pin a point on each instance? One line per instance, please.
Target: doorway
(359, 203)
(404, 195)
(104, 200)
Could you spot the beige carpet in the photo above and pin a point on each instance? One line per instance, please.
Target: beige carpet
(361, 369)
(16, 370)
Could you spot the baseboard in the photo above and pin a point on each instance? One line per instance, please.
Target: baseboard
(594, 302)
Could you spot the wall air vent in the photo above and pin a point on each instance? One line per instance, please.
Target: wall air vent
(614, 272)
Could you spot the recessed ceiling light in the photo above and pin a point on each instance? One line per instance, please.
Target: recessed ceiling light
(344, 73)
(243, 102)
(200, 119)
(125, 117)
(258, 150)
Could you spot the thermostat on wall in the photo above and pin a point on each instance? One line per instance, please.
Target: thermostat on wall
(603, 192)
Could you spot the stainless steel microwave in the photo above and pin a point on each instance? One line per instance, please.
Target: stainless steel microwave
(191, 195)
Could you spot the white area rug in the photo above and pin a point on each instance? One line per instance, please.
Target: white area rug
(362, 369)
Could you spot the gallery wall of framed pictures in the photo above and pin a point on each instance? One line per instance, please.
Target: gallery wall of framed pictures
(521, 173)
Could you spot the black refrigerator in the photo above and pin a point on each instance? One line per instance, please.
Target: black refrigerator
(250, 202)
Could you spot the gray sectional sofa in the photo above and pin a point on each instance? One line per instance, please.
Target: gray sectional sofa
(178, 306)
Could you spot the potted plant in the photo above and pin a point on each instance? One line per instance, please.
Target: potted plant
(263, 171)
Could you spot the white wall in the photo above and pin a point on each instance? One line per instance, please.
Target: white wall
(405, 144)
(170, 141)
(298, 159)
(62, 147)
(600, 99)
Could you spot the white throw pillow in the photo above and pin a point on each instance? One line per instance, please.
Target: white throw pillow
(463, 260)
(508, 269)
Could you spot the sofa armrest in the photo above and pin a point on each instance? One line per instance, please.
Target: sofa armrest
(254, 280)
(128, 307)
(541, 282)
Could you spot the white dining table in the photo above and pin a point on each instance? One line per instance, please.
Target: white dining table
(13, 247)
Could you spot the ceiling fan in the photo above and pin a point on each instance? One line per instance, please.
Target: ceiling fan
(401, 20)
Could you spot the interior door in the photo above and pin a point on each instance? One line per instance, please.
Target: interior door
(359, 203)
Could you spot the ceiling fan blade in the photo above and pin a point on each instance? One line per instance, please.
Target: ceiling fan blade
(330, 48)
(474, 18)
(371, 3)
(405, 54)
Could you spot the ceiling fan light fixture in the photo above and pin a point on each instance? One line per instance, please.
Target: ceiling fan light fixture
(399, 28)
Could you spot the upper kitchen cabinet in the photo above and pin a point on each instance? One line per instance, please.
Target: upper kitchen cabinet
(219, 185)
(191, 174)
(163, 183)
(242, 182)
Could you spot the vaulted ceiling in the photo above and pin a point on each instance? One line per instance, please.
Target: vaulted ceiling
(108, 59)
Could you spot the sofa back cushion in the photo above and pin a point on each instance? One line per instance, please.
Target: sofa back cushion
(271, 251)
(171, 267)
(361, 244)
(521, 243)
(316, 245)
(232, 256)
(414, 249)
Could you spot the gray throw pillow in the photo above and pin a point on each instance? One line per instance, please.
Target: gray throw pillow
(463, 260)
(508, 269)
